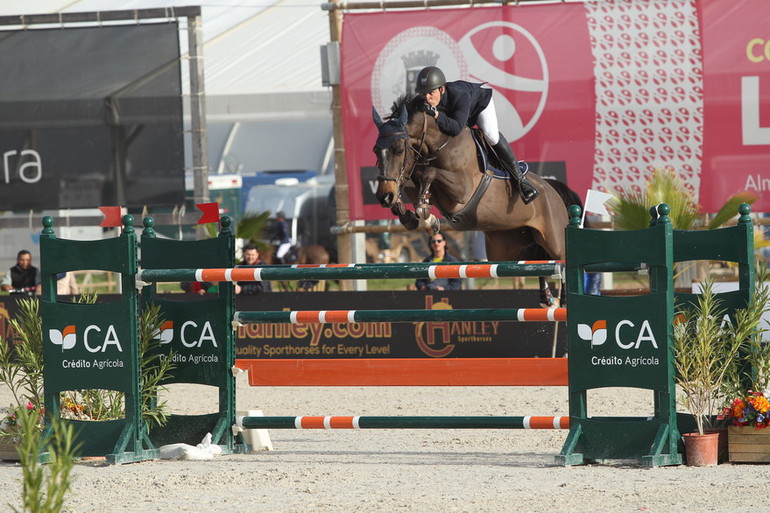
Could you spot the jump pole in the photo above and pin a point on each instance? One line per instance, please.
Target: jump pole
(549, 268)
(417, 422)
(349, 316)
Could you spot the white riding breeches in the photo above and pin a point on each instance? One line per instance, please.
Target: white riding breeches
(283, 249)
(487, 121)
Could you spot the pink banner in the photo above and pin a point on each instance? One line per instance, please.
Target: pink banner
(543, 90)
(736, 151)
(599, 94)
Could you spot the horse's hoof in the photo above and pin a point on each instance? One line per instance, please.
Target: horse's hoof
(409, 220)
(554, 303)
(435, 224)
(547, 299)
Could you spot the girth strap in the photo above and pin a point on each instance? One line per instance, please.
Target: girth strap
(465, 218)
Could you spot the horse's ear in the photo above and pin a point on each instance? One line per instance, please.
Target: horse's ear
(377, 119)
(403, 116)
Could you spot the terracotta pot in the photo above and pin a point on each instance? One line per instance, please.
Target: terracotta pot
(748, 445)
(701, 450)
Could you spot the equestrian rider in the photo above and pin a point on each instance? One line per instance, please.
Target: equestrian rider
(282, 237)
(458, 104)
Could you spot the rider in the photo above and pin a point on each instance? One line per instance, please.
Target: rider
(460, 103)
(282, 236)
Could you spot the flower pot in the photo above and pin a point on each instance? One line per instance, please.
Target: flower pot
(701, 450)
(748, 445)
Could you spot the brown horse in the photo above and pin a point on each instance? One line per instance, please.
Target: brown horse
(415, 158)
(312, 254)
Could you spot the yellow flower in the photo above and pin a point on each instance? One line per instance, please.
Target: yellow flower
(760, 403)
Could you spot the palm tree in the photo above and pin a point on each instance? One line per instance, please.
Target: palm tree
(631, 209)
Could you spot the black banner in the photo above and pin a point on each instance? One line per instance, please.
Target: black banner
(91, 116)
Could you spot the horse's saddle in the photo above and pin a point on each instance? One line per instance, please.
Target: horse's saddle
(488, 159)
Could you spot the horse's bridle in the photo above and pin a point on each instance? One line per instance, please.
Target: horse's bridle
(419, 158)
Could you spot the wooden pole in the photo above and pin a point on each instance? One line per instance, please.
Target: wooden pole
(198, 111)
(344, 241)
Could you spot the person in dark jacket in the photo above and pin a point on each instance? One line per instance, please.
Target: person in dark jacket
(251, 288)
(438, 253)
(22, 278)
(458, 104)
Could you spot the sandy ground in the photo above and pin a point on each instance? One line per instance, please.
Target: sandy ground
(400, 470)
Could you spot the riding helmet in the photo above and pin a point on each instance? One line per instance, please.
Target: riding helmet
(428, 79)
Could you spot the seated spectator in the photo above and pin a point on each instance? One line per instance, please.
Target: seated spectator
(23, 278)
(438, 253)
(250, 288)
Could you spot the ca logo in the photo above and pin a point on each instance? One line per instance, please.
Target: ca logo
(596, 333)
(64, 338)
(93, 340)
(166, 332)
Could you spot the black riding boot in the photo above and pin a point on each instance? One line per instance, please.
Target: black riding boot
(508, 161)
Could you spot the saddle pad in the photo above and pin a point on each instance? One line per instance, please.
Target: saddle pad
(481, 150)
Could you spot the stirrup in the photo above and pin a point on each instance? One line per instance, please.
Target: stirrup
(528, 199)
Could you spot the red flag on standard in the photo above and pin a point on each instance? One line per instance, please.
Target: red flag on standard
(210, 212)
(112, 217)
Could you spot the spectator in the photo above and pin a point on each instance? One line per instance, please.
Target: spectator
(250, 288)
(66, 284)
(438, 253)
(197, 287)
(23, 278)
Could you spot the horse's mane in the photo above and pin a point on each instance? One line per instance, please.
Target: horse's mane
(408, 100)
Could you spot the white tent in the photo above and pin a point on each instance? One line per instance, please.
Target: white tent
(266, 107)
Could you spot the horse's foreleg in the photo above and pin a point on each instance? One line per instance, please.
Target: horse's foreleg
(406, 217)
(423, 201)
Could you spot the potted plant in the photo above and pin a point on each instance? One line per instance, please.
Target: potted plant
(749, 381)
(705, 349)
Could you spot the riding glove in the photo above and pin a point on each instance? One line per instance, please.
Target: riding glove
(429, 109)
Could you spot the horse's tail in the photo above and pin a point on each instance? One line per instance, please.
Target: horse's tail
(568, 196)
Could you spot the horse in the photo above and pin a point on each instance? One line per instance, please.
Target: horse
(302, 255)
(416, 159)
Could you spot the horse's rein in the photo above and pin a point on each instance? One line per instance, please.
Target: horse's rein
(425, 160)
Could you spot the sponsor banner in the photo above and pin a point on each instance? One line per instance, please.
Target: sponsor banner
(91, 116)
(86, 348)
(543, 94)
(357, 340)
(677, 85)
(736, 55)
(193, 335)
(482, 339)
(618, 345)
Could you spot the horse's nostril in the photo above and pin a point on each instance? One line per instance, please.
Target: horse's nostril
(386, 199)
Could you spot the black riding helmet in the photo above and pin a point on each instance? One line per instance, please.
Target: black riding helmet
(428, 79)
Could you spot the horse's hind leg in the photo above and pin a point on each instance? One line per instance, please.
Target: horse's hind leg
(547, 300)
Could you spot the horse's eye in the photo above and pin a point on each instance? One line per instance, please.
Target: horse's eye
(399, 151)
